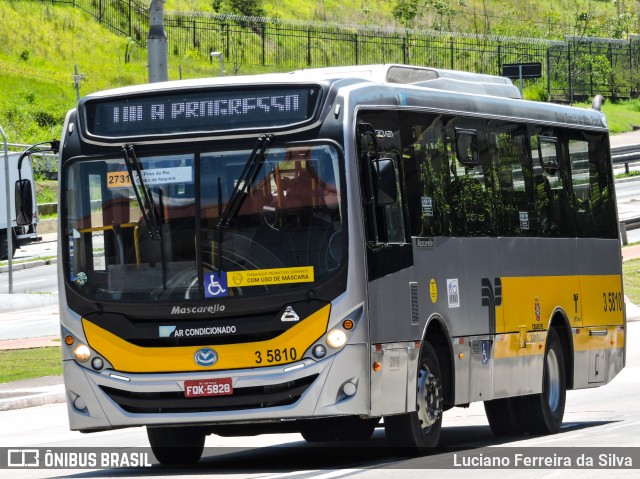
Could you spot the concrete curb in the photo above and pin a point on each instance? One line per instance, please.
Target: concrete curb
(28, 264)
(52, 395)
(26, 302)
(32, 392)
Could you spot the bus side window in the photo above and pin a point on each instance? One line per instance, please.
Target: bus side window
(554, 205)
(579, 161)
(472, 202)
(428, 199)
(515, 213)
(592, 186)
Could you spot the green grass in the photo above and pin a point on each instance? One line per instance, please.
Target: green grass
(631, 272)
(628, 175)
(30, 260)
(550, 18)
(37, 60)
(621, 116)
(20, 364)
(37, 65)
(46, 191)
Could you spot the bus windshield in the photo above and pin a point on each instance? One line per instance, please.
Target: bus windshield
(285, 231)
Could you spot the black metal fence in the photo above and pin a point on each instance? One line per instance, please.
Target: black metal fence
(573, 69)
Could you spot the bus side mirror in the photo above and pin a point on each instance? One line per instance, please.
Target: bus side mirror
(467, 147)
(24, 203)
(386, 182)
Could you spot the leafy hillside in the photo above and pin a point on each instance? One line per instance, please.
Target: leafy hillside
(542, 18)
(41, 42)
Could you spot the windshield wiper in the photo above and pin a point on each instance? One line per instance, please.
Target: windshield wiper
(245, 181)
(145, 200)
(241, 190)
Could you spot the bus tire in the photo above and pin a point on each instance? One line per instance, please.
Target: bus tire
(340, 429)
(503, 416)
(321, 434)
(4, 245)
(176, 445)
(418, 432)
(543, 413)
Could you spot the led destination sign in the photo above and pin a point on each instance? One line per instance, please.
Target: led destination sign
(171, 113)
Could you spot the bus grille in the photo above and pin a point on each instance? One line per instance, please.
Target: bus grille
(242, 398)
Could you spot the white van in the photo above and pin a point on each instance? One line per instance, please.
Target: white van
(29, 230)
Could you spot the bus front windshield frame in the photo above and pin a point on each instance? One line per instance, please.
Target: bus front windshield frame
(286, 233)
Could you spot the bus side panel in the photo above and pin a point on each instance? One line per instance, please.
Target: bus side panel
(447, 281)
(573, 278)
(520, 283)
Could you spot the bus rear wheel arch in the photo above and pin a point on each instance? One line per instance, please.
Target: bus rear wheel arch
(543, 413)
(536, 413)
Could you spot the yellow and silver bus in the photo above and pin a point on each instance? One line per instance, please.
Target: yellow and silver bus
(330, 250)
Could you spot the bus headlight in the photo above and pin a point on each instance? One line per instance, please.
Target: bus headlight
(336, 338)
(82, 352)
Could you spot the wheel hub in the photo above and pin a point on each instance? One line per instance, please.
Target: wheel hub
(553, 380)
(429, 399)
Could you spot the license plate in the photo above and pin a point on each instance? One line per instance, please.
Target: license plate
(208, 387)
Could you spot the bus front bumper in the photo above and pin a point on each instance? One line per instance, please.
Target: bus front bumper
(336, 386)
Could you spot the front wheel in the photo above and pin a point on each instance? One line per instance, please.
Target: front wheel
(340, 429)
(418, 432)
(176, 445)
(543, 413)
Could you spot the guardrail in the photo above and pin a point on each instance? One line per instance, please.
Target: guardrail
(625, 155)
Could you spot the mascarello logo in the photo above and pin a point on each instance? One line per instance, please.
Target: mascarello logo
(205, 357)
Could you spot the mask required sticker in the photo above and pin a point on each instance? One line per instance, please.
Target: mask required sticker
(264, 277)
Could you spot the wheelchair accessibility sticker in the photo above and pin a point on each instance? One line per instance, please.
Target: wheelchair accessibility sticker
(215, 286)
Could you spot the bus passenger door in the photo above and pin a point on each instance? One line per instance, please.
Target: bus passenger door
(389, 251)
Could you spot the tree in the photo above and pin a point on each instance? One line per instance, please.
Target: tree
(248, 8)
(405, 12)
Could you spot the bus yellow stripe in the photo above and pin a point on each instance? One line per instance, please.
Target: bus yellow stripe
(586, 300)
(127, 357)
(590, 302)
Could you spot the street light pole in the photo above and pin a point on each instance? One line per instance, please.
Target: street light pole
(9, 226)
(77, 77)
(157, 54)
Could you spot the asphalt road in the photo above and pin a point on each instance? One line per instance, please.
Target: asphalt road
(42, 279)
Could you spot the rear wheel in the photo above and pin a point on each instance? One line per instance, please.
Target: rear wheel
(417, 432)
(504, 418)
(176, 445)
(542, 413)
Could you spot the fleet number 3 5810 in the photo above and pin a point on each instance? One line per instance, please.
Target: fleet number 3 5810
(276, 355)
(612, 301)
